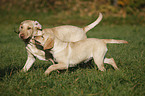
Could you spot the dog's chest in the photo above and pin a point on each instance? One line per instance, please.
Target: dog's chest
(40, 54)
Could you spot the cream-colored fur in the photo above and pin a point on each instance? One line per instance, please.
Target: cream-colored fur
(67, 33)
(68, 54)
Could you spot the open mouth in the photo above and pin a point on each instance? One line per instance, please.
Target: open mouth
(22, 36)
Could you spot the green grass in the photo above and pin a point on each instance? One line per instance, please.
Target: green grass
(81, 80)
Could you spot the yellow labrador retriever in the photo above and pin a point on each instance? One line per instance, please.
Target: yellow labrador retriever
(67, 33)
(68, 54)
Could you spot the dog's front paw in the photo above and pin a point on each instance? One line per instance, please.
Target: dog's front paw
(23, 70)
(46, 73)
(102, 69)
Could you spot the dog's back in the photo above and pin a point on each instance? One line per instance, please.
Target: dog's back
(69, 33)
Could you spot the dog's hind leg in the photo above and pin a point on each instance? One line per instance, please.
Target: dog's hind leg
(111, 62)
(98, 57)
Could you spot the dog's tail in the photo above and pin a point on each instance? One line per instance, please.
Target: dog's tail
(114, 41)
(92, 25)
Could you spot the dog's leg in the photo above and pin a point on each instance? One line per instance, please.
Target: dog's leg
(111, 61)
(99, 63)
(53, 63)
(29, 62)
(99, 55)
(59, 66)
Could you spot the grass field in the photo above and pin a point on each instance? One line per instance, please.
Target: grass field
(82, 80)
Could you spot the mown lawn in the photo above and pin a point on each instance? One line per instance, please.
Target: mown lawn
(81, 80)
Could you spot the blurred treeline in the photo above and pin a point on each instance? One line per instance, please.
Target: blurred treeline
(80, 7)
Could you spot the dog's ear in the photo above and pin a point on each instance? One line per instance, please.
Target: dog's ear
(37, 25)
(49, 42)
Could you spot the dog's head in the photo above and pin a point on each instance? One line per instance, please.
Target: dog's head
(28, 28)
(47, 41)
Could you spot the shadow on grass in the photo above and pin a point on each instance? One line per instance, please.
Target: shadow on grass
(14, 69)
(11, 70)
(8, 71)
(88, 65)
(44, 66)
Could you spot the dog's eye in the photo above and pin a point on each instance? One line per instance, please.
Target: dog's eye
(21, 27)
(29, 28)
(36, 23)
